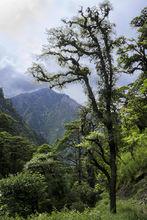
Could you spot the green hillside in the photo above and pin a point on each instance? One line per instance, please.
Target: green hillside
(11, 122)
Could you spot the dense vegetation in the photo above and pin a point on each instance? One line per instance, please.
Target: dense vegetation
(100, 162)
(11, 121)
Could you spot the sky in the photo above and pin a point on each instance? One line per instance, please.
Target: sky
(23, 25)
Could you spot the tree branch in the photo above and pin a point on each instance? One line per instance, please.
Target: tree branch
(100, 167)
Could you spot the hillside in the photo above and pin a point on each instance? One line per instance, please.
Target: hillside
(11, 122)
(46, 112)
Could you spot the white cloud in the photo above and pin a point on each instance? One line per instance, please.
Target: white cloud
(6, 61)
(16, 14)
(22, 27)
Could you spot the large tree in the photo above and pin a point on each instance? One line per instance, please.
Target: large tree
(15, 151)
(84, 47)
(133, 60)
(133, 51)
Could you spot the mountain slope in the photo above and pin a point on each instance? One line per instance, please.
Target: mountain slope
(11, 122)
(46, 111)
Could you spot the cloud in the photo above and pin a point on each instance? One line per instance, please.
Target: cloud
(15, 15)
(14, 82)
(22, 27)
(22, 34)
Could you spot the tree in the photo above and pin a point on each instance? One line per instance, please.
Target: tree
(72, 153)
(23, 194)
(55, 176)
(15, 151)
(84, 48)
(133, 60)
(133, 52)
(67, 149)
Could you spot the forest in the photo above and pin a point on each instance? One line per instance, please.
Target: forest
(97, 170)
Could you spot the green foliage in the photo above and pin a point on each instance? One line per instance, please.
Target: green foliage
(15, 151)
(131, 167)
(7, 123)
(11, 122)
(128, 210)
(23, 194)
(135, 139)
(44, 149)
(69, 153)
(134, 112)
(83, 196)
(140, 22)
(132, 51)
(78, 206)
(62, 193)
(55, 176)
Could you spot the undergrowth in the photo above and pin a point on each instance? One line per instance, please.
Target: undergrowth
(126, 210)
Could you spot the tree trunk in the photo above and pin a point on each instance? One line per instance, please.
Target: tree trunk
(113, 169)
(112, 190)
(79, 166)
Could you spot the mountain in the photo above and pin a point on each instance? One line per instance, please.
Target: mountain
(46, 111)
(11, 121)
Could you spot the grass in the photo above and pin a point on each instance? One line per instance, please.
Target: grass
(126, 210)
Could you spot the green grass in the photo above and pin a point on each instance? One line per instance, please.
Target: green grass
(126, 210)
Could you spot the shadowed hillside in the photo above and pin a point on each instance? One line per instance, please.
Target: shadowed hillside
(11, 122)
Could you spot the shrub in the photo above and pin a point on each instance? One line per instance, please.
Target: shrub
(83, 195)
(130, 167)
(54, 174)
(23, 194)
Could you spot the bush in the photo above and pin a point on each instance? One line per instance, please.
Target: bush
(23, 194)
(130, 167)
(83, 195)
(78, 206)
(54, 174)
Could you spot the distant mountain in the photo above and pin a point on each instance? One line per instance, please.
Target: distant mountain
(11, 122)
(46, 111)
